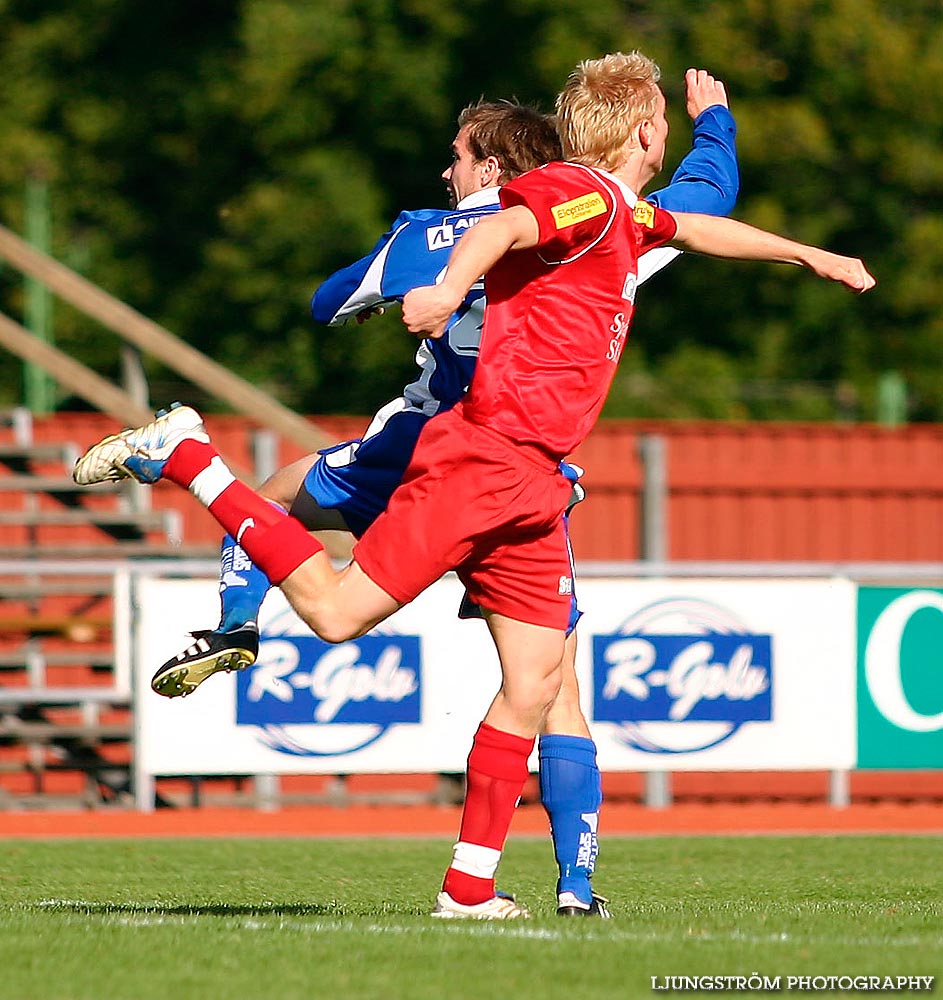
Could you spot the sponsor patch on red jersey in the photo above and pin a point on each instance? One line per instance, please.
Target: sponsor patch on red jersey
(644, 214)
(587, 206)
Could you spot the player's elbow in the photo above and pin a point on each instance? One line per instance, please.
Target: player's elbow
(726, 206)
(321, 310)
(720, 198)
(727, 197)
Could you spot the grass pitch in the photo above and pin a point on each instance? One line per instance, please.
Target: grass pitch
(214, 919)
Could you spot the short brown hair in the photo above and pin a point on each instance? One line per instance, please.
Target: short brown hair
(519, 137)
(602, 101)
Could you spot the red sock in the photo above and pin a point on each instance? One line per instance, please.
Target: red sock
(274, 541)
(497, 771)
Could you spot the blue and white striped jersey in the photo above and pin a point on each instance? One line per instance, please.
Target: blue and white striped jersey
(415, 252)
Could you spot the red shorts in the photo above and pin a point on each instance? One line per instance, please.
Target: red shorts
(474, 501)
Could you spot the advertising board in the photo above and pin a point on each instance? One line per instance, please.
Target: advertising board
(900, 678)
(696, 675)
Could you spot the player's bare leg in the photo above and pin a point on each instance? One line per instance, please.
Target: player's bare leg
(336, 606)
(234, 643)
(565, 715)
(175, 446)
(531, 670)
(530, 658)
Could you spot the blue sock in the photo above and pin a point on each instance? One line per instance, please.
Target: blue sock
(571, 792)
(242, 586)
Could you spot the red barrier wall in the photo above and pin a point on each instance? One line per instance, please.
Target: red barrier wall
(754, 491)
(770, 492)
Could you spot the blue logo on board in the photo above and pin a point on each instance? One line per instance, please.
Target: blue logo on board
(313, 699)
(681, 675)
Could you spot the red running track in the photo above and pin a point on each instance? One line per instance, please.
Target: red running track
(530, 820)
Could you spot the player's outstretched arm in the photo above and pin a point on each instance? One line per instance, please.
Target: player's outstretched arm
(427, 309)
(719, 237)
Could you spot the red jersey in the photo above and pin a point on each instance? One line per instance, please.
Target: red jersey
(558, 313)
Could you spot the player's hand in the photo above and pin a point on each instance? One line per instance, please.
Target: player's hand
(703, 91)
(366, 314)
(850, 271)
(427, 309)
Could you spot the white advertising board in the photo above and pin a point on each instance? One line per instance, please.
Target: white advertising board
(405, 699)
(719, 675)
(694, 675)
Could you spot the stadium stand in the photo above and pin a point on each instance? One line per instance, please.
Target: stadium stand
(65, 712)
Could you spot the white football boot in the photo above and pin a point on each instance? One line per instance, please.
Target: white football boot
(499, 907)
(142, 452)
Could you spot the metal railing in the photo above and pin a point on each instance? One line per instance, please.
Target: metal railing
(147, 336)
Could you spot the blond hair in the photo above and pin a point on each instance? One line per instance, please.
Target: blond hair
(602, 102)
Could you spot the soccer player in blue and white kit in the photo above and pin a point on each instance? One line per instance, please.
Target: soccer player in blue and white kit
(348, 486)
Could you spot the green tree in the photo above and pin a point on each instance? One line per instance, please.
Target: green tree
(837, 147)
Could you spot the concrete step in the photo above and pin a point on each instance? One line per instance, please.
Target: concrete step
(19, 483)
(25, 454)
(21, 657)
(62, 695)
(144, 521)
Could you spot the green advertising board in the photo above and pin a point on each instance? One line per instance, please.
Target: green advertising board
(900, 678)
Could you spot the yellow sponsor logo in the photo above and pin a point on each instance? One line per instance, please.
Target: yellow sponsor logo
(587, 206)
(644, 214)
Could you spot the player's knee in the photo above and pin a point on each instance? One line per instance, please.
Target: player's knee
(322, 621)
(537, 694)
(550, 690)
(336, 631)
(334, 622)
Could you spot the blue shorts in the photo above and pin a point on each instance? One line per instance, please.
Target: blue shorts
(358, 477)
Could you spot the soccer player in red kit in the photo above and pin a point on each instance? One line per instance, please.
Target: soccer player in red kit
(483, 494)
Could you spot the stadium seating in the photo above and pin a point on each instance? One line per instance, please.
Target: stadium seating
(65, 711)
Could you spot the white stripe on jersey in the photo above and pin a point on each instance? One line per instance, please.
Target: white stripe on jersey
(612, 218)
(367, 293)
